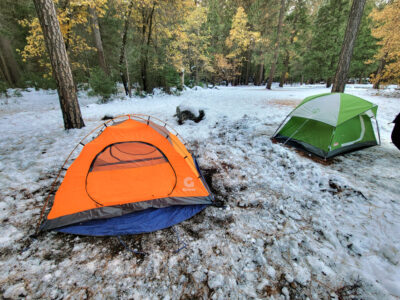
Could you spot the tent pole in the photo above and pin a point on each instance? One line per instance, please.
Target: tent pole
(330, 143)
(280, 126)
(296, 131)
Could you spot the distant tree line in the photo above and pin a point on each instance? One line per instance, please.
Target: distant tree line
(147, 44)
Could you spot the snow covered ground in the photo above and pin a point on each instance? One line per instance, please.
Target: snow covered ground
(292, 227)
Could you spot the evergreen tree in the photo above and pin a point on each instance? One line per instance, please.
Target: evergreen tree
(240, 40)
(171, 43)
(355, 16)
(328, 31)
(277, 43)
(297, 23)
(365, 48)
(57, 52)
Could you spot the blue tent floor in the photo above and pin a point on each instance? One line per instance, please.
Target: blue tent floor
(144, 221)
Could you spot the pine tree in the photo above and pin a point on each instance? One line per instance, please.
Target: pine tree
(60, 63)
(8, 63)
(12, 37)
(240, 40)
(296, 24)
(262, 16)
(189, 50)
(327, 35)
(277, 43)
(356, 13)
(365, 48)
(97, 40)
(122, 57)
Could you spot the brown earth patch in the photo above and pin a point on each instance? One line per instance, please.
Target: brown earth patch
(283, 102)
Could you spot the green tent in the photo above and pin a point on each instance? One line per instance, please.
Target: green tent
(330, 124)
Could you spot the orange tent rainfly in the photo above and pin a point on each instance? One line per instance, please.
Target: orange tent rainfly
(135, 176)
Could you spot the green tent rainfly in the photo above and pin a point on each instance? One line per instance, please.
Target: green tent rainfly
(330, 124)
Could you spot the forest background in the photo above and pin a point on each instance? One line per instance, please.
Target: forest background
(148, 44)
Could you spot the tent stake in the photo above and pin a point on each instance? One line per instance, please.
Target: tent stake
(377, 127)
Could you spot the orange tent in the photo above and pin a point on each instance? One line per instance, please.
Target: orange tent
(131, 166)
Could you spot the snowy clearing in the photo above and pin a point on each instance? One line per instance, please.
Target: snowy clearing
(292, 227)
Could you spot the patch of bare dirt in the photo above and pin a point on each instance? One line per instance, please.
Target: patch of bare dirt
(280, 102)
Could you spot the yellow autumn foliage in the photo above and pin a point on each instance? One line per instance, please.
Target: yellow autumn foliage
(70, 17)
(240, 38)
(190, 41)
(387, 30)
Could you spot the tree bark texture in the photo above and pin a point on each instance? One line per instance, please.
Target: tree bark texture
(328, 82)
(122, 65)
(127, 78)
(9, 61)
(60, 63)
(356, 12)
(285, 69)
(286, 61)
(4, 70)
(97, 40)
(147, 23)
(382, 64)
(65, 5)
(261, 74)
(182, 78)
(276, 50)
(196, 71)
(248, 63)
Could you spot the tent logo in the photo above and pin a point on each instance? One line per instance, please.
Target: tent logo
(315, 111)
(189, 184)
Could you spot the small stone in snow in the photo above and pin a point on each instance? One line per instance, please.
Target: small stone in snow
(285, 292)
(391, 254)
(215, 280)
(15, 291)
(289, 278)
(271, 272)
(47, 277)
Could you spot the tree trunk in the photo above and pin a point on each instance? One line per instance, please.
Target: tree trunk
(10, 62)
(122, 65)
(4, 70)
(248, 68)
(147, 23)
(286, 61)
(382, 64)
(65, 6)
(285, 69)
(329, 82)
(276, 50)
(350, 36)
(261, 74)
(97, 40)
(196, 73)
(127, 78)
(143, 73)
(302, 79)
(60, 63)
(182, 77)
